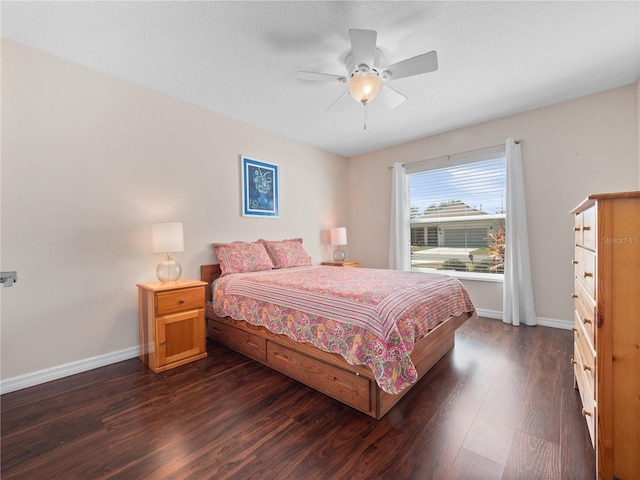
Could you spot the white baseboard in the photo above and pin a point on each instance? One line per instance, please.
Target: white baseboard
(542, 321)
(54, 373)
(555, 323)
(489, 314)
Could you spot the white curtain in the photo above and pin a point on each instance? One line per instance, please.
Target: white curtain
(518, 293)
(399, 239)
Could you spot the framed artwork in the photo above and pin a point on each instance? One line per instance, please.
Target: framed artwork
(259, 188)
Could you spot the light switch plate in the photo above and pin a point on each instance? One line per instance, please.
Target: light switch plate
(8, 278)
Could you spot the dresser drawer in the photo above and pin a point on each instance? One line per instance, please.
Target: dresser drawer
(585, 228)
(586, 393)
(179, 300)
(585, 270)
(586, 351)
(585, 307)
(589, 228)
(579, 219)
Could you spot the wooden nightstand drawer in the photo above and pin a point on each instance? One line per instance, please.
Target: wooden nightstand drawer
(179, 300)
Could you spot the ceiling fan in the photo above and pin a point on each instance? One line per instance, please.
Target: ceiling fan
(366, 78)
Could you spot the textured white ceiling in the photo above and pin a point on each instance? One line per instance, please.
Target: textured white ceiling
(241, 58)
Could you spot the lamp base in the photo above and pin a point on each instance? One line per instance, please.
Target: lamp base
(169, 270)
(339, 255)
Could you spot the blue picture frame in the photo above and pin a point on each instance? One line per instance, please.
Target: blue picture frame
(260, 188)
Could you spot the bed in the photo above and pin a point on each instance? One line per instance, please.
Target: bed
(327, 368)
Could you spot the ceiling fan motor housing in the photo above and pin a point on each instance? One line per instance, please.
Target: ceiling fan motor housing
(353, 69)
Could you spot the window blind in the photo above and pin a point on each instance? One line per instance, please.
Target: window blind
(457, 213)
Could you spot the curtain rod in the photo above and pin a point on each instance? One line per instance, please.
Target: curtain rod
(517, 141)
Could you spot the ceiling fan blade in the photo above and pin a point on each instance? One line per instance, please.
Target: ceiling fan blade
(363, 46)
(321, 76)
(340, 102)
(390, 97)
(425, 63)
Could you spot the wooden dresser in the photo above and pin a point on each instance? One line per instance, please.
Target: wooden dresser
(607, 328)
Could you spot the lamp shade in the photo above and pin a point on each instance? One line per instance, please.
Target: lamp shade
(167, 237)
(364, 86)
(339, 236)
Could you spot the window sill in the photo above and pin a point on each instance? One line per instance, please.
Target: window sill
(480, 277)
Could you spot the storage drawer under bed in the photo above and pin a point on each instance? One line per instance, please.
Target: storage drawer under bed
(345, 386)
(238, 340)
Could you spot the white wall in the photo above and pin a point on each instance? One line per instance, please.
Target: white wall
(570, 150)
(88, 163)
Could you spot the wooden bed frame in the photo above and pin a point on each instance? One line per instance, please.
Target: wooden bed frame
(329, 373)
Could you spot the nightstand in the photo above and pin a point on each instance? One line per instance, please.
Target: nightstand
(171, 323)
(342, 264)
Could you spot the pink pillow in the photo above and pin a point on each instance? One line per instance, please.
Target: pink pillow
(287, 253)
(239, 257)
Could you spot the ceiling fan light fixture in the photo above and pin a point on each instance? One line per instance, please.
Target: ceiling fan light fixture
(363, 87)
(367, 75)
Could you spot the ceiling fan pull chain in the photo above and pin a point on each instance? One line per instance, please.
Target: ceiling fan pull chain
(365, 116)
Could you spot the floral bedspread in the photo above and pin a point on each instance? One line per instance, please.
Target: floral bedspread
(369, 316)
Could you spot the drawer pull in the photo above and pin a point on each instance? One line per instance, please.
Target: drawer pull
(585, 229)
(586, 320)
(163, 342)
(574, 262)
(574, 329)
(587, 413)
(282, 356)
(587, 368)
(577, 229)
(181, 301)
(574, 295)
(573, 362)
(588, 274)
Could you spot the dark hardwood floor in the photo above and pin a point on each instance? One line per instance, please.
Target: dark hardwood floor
(501, 404)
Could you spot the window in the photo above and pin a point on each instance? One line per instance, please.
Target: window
(457, 214)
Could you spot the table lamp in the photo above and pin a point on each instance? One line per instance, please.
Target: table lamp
(339, 237)
(168, 238)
